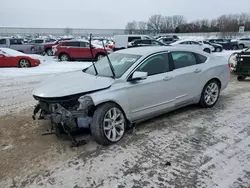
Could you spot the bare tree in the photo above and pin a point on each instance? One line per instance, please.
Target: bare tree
(142, 27)
(131, 27)
(155, 23)
(177, 20)
(67, 31)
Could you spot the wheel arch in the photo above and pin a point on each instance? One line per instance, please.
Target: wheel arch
(216, 79)
(116, 103)
(99, 53)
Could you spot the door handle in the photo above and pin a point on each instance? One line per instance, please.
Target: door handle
(197, 70)
(168, 78)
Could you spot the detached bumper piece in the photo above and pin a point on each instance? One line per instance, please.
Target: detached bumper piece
(63, 120)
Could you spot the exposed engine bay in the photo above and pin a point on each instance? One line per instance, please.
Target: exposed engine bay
(66, 114)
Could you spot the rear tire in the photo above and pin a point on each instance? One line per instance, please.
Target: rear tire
(210, 94)
(49, 52)
(64, 57)
(99, 56)
(108, 124)
(207, 50)
(241, 78)
(24, 63)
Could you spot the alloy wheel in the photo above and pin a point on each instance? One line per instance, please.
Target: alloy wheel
(99, 57)
(211, 93)
(64, 57)
(24, 63)
(114, 124)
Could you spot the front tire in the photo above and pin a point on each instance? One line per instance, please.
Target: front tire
(49, 52)
(218, 49)
(108, 124)
(210, 94)
(235, 47)
(241, 78)
(241, 46)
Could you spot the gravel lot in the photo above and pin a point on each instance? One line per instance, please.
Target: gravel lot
(190, 147)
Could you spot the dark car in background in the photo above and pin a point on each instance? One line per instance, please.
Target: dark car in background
(168, 39)
(228, 44)
(146, 42)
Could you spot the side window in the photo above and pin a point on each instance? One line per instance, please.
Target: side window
(145, 42)
(200, 58)
(130, 39)
(186, 42)
(183, 59)
(155, 42)
(39, 41)
(156, 64)
(32, 42)
(72, 44)
(84, 45)
(193, 42)
(2, 41)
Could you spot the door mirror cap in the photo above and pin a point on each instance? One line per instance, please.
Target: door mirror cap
(137, 75)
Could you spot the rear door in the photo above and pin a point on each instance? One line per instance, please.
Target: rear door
(85, 52)
(187, 71)
(73, 49)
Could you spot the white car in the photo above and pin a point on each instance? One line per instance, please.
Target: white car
(131, 86)
(187, 43)
(244, 43)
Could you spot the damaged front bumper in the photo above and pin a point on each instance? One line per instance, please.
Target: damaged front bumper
(70, 119)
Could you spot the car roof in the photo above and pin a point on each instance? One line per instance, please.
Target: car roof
(145, 51)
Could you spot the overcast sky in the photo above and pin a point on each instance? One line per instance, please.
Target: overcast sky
(108, 13)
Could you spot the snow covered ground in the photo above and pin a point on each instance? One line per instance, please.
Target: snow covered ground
(190, 147)
(17, 83)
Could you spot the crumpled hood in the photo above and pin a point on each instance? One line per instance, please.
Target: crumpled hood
(71, 83)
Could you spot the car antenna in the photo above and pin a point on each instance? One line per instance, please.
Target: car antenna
(110, 64)
(90, 47)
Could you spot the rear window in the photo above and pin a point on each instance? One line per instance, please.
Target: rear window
(200, 58)
(15, 41)
(2, 41)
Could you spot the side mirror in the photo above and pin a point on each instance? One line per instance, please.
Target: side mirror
(137, 75)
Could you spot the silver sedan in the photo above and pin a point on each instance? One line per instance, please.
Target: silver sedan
(135, 85)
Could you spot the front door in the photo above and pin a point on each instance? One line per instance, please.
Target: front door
(154, 94)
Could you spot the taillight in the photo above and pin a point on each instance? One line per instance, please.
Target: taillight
(229, 65)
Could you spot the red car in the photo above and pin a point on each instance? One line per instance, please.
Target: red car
(79, 50)
(13, 58)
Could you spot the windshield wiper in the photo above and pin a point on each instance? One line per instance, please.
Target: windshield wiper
(90, 47)
(110, 64)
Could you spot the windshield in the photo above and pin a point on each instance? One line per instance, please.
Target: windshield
(121, 62)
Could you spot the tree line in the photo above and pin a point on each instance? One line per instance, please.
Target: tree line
(178, 24)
